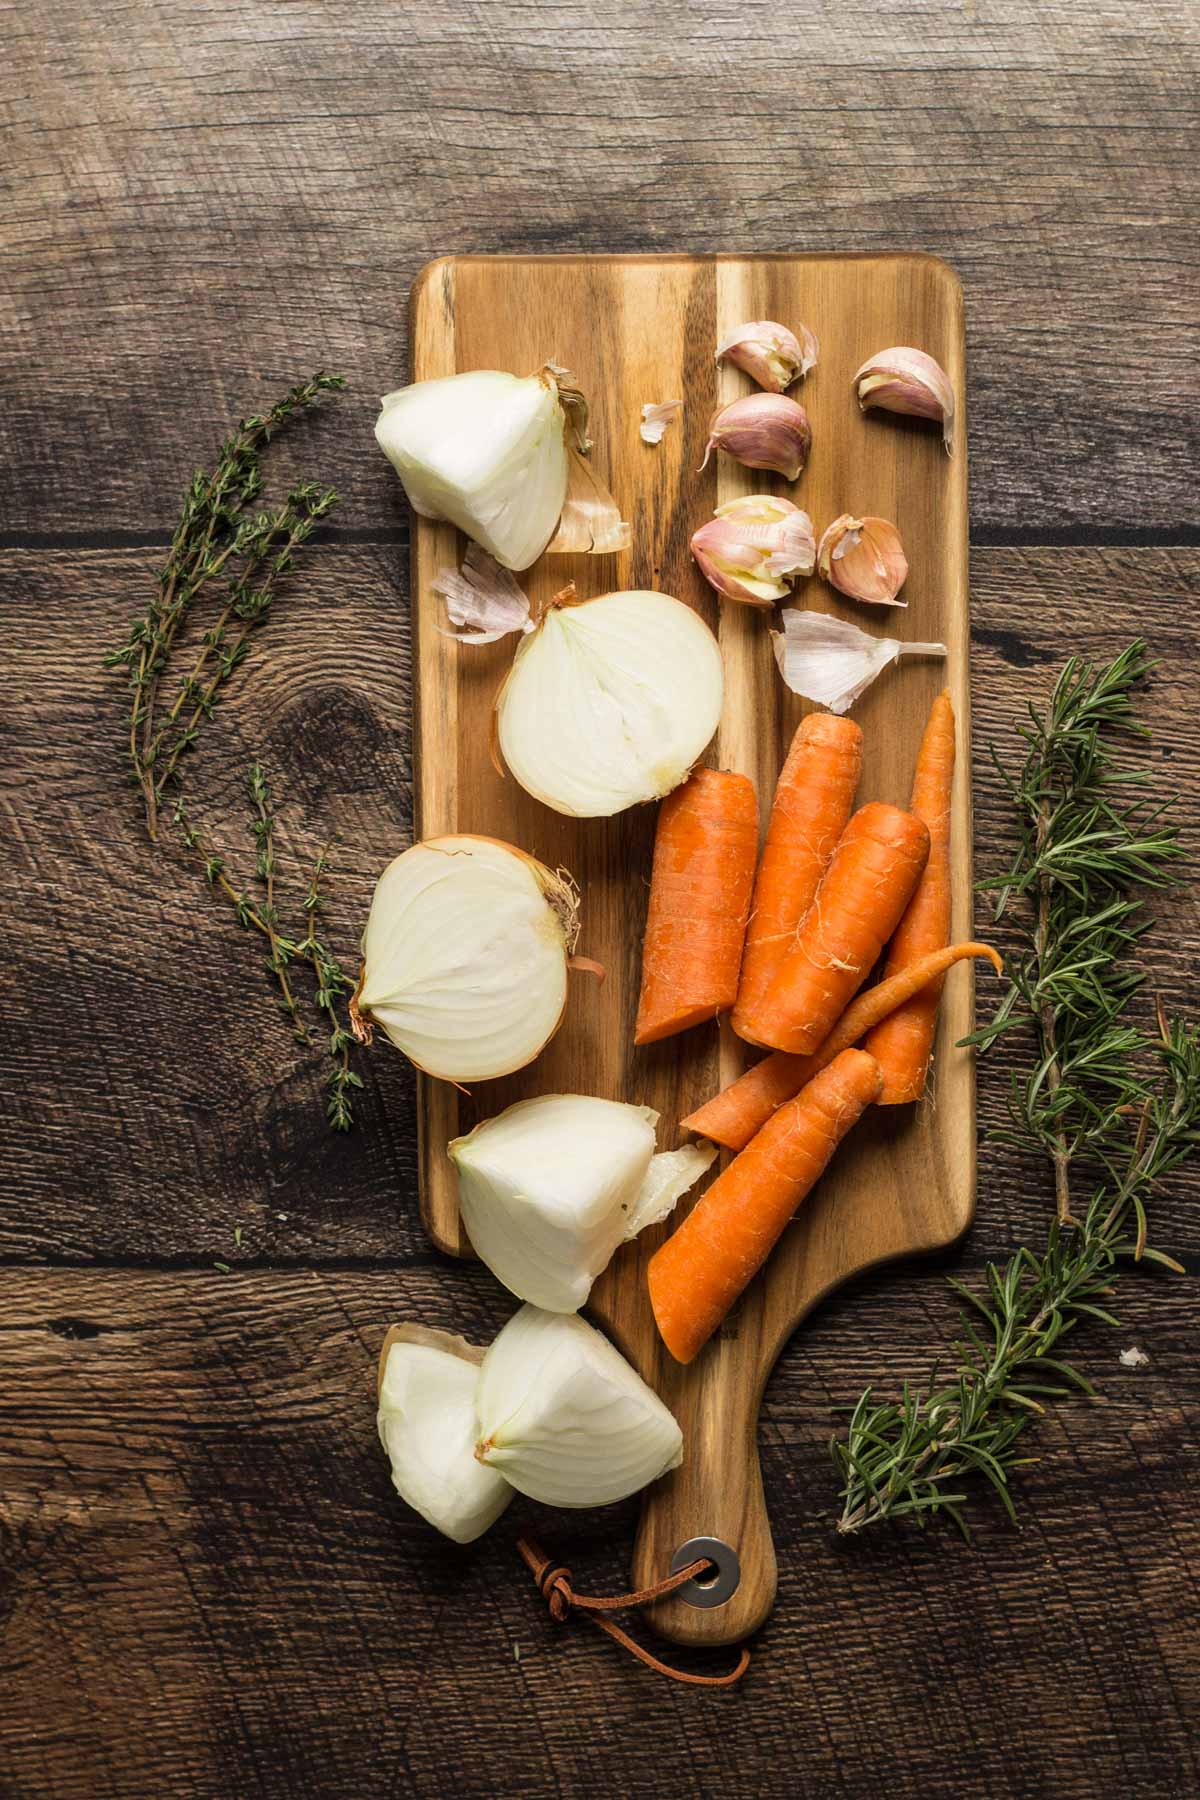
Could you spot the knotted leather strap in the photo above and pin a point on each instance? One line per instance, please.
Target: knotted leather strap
(554, 1584)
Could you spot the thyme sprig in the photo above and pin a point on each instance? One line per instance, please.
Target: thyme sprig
(1114, 1108)
(231, 551)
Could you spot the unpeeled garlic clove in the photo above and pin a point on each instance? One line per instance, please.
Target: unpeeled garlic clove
(863, 558)
(764, 431)
(752, 547)
(769, 353)
(904, 380)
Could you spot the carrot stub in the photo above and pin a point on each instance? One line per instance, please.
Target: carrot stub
(704, 1266)
(704, 851)
(733, 1116)
(869, 882)
(812, 803)
(903, 1044)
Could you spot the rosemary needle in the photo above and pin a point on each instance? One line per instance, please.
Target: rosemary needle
(1113, 1108)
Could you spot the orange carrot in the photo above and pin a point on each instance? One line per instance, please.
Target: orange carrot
(868, 884)
(703, 1267)
(733, 1116)
(903, 1044)
(808, 815)
(704, 851)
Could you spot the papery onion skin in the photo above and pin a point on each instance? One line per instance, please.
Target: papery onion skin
(428, 1426)
(465, 956)
(610, 702)
(565, 1418)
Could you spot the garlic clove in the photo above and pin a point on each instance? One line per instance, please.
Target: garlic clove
(656, 416)
(769, 353)
(565, 1419)
(865, 559)
(833, 663)
(428, 1426)
(610, 702)
(904, 380)
(465, 957)
(483, 601)
(764, 431)
(752, 546)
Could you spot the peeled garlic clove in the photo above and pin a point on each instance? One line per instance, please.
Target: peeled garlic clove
(565, 1419)
(903, 380)
(752, 547)
(487, 451)
(483, 601)
(832, 662)
(865, 559)
(610, 702)
(764, 431)
(465, 957)
(549, 1188)
(770, 354)
(429, 1428)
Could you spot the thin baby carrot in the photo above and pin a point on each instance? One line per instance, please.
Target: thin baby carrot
(903, 1044)
(865, 889)
(812, 803)
(733, 1116)
(704, 851)
(703, 1267)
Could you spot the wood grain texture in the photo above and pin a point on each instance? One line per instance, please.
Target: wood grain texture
(640, 329)
(214, 198)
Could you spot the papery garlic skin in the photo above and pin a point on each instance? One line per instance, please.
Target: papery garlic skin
(428, 1426)
(565, 1419)
(904, 380)
(865, 559)
(484, 601)
(769, 353)
(753, 547)
(610, 702)
(763, 431)
(656, 416)
(485, 450)
(832, 662)
(550, 1187)
(465, 957)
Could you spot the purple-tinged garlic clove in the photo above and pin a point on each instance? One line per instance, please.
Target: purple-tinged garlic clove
(863, 558)
(763, 431)
(769, 353)
(904, 380)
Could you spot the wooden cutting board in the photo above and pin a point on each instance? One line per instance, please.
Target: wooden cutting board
(644, 328)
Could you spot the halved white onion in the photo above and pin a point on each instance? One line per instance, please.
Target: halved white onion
(610, 702)
(465, 956)
(428, 1426)
(563, 1416)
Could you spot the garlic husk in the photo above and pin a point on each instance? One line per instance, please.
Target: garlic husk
(770, 353)
(832, 662)
(656, 416)
(865, 559)
(550, 1187)
(484, 602)
(488, 451)
(565, 1419)
(429, 1427)
(763, 431)
(465, 956)
(753, 547)
(904, 380)
(610, 702)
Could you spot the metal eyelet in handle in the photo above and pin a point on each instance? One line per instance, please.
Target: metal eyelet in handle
(708, 1590)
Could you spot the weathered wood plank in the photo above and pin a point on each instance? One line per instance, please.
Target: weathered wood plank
(209, 1587)
(153, 1099)
(211, 201)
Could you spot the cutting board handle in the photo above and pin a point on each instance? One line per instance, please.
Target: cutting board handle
(717, 1492)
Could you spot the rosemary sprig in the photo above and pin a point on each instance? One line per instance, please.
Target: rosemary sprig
(1114, 1109)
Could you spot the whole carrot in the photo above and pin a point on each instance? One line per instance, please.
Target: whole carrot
(704, 1266)
(734, 1115)
(868, 884)
(704, 851)
(903, 1044)
(812, 803)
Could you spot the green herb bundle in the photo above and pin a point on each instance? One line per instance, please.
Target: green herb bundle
(1113, 1106)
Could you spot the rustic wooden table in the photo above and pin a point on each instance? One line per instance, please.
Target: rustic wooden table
(207, 1587)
